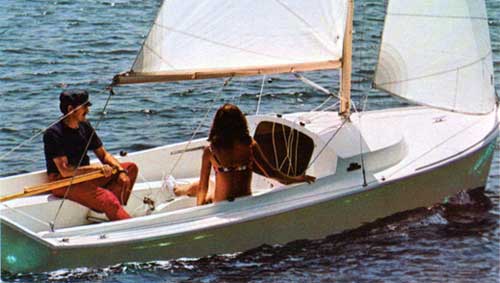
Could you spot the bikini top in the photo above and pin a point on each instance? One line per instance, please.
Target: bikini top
(239, 168)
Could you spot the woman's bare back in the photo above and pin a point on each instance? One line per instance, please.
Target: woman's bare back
(233, 167)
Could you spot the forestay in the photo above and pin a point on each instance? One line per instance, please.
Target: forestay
(438, 53)
(193, 39)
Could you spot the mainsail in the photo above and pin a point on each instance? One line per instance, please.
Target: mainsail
(438, 53)
(196, 39)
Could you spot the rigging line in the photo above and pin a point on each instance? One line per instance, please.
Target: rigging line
(111, 93)
(437, 73)
(316, 86)
(322, 104)
(324, 90)
(200, 124)
(150, 189)
(223, 44)
(273, 139)
(17, 147)
(287, 149)
(260, 94)
(326, 144)
(290, 151)
(365, 98)
(296, 152)
(320, 113)
(39, 133)
(159, 56)
(313, 116)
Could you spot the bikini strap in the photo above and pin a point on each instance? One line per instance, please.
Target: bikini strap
(213, 154)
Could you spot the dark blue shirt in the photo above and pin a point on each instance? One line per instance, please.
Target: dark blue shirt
(61, 140)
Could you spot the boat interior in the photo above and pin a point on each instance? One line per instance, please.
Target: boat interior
(317, 143)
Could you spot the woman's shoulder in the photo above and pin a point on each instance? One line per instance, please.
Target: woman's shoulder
(207, 149)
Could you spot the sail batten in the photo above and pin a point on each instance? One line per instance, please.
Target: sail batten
(190, 37)
(437, 53)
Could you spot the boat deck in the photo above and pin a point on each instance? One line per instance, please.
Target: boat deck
(391, 148)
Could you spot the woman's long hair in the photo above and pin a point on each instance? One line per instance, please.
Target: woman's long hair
(229, 127)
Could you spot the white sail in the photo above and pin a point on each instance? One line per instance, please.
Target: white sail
(210, 38)
(438, 53)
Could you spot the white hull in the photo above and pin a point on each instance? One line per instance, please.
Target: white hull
(405, 170)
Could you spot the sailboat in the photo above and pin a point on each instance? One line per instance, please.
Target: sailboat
(368, 164)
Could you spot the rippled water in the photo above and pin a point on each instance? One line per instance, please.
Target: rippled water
(48, 45)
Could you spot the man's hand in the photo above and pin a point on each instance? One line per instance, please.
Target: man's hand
(107, 170)
(123, 179)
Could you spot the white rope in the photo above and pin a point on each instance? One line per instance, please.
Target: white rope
(322, 104)
(39, 133)
(111, 93)
(260, 94)
(25, 142)
(273, 139)
(326, 144)
(317, 86)
(363, 108)
(200, 124)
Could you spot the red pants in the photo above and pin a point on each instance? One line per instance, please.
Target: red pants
(104, 194)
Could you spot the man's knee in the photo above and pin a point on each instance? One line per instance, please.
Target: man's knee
(112, 207)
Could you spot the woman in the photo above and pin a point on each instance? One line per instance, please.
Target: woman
(234, 155)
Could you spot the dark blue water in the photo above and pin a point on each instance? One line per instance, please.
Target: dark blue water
(46, 46)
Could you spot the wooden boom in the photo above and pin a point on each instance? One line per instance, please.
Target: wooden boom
(47, 187)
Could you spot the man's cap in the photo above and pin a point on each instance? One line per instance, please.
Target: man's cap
(74, 97)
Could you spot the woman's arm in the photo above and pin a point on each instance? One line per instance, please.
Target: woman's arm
(272, 172)
(206, 165)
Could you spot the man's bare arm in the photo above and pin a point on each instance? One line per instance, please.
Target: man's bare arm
(66, 170)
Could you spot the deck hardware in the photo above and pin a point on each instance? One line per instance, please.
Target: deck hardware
(383, 178)
(279, 115)
(149, 202)
(302, 123)
(353, 166)
(123, 153)
(65, 240)
(439, 119)
(102, 236)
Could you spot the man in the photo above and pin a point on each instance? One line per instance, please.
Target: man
(66, 144)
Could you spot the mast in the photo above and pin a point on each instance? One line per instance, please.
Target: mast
(345, 87)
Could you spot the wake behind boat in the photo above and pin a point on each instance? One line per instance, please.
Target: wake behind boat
(369, 164)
